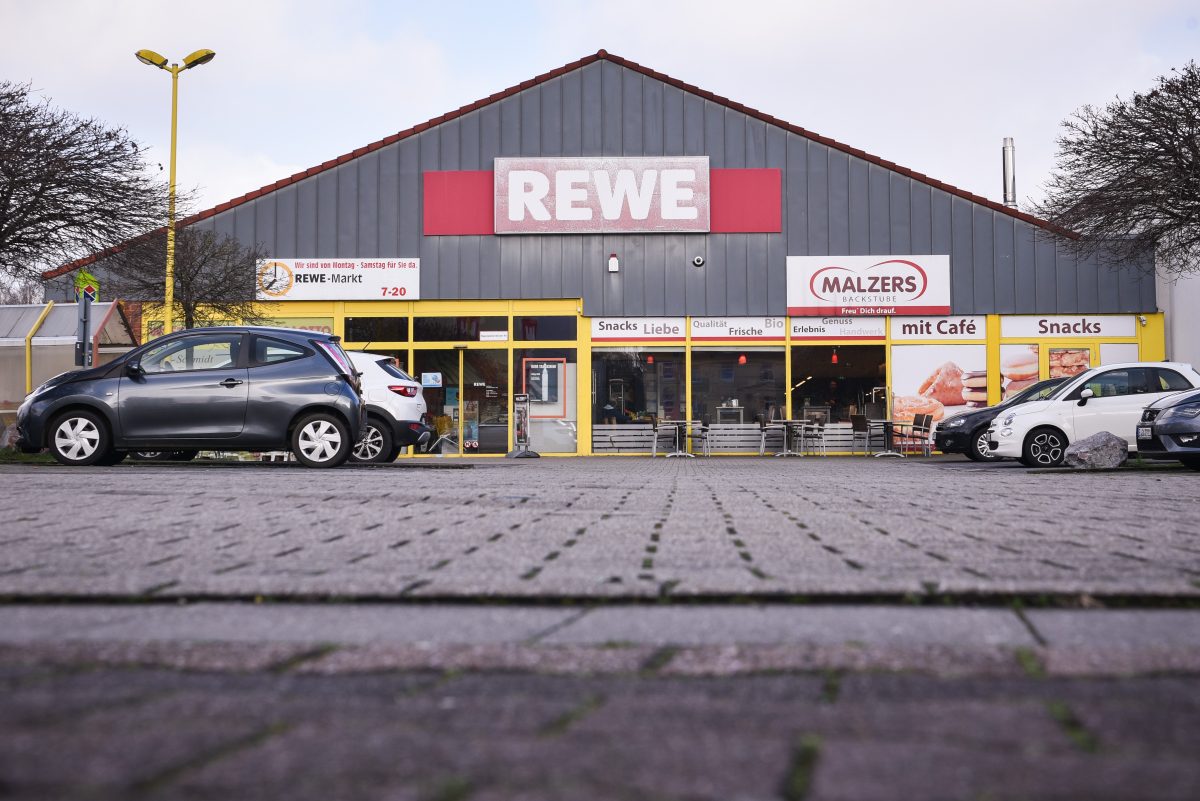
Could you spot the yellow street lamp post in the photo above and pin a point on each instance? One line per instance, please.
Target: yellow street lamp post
(155, 60)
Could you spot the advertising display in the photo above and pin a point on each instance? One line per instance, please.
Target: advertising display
(1092, 326)
(910, 328)
(938, 380)
(1066, 362)
(544, 383)
(870, 285)
(721, 329)
(339, 279)
(602, 195)
(638, 329)
(1018, 368)
(855, 328)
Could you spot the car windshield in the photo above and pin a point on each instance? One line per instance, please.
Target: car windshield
(1039, 391)
(389, 367)
(1065, 385)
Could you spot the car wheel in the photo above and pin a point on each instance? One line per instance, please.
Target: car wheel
(978, 449)
(1191, 461)
(321, 440)
(376, 445)
(79, 438)
(1044, 447)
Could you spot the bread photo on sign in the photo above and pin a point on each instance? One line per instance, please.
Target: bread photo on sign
(906, 407)
(945, 385)
(974, 392)
(1019, 370)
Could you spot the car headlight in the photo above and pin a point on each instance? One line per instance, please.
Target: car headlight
(957, 422)
(1008, 420)
(1188, 412)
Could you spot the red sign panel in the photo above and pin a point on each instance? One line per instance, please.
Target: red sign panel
(601, 195)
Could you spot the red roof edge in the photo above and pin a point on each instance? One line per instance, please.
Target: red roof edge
(601, 55)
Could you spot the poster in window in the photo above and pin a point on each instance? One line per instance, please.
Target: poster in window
(937, 380)
(544, 384)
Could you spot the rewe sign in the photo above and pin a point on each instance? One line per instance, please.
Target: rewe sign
(868, 285)
(601, 195)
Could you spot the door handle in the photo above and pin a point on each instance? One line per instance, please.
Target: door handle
(230, 383)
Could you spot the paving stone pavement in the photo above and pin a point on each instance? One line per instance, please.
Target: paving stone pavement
(138, 732)
(597, 527)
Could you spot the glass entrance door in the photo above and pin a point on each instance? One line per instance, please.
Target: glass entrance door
(470, 407)
(485, 401)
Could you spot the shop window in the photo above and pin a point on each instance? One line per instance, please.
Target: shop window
(376, 329)
(737, 385)
(938, 380)
(528, 329)
(637, 386)
(550, 378)
(833, 390)
(460, 329)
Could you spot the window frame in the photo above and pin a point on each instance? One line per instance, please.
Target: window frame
(238, 363)
(305, 351)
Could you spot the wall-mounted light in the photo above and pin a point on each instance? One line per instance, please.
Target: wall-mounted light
(650, 359)
(833, 358)
(613, 265)
(741, 358)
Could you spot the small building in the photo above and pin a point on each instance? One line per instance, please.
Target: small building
(626, 249)
(37, 341)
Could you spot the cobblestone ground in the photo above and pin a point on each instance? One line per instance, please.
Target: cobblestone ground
(121, 733)
(616, 527)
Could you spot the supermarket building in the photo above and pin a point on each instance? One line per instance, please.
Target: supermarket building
(624, 248)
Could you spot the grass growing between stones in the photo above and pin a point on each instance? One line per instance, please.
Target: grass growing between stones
(1073, 727)
(799, 777)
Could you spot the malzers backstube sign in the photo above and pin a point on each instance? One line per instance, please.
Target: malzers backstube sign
(868, 285)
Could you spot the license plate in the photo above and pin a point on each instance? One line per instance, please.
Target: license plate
(1143, 432)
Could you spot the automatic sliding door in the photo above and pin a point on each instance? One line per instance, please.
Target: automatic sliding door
(485, 401)
(443, 401)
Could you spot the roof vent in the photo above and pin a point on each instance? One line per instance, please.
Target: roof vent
(1010, 173)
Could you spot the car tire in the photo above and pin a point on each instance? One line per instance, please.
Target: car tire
(1191, 461)
(1044, 447)
(113, 457)
(377, 445)
(977, 447)
(79, 438)
(321, 440)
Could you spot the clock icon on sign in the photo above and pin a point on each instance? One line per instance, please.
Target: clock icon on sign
(275, 279)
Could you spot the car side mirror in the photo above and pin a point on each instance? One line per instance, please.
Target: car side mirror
(1083, 396)
(134, 369)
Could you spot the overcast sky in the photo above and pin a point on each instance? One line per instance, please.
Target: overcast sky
(933, 86)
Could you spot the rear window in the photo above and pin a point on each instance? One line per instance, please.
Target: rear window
(1171, 381)
(273, 351)
(390, 367)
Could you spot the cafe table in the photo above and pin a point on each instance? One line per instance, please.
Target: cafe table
(889, 433)
(680, 426)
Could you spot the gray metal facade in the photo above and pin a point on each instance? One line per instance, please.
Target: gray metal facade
(834, 204)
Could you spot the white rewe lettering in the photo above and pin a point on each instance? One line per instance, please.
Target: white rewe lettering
(568, 192)
(615, 195)
(527, 190)
(673, 195)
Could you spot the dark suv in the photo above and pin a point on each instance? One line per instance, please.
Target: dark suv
(230, 389)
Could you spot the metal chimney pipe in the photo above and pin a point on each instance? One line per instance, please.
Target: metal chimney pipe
(1010, 173)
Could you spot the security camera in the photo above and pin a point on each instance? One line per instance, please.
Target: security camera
(1142, 319)
(698, 261)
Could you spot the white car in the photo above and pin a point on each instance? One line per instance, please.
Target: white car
(395, 409)
(1108, 398)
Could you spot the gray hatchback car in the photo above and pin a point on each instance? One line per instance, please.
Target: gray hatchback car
(229, 388)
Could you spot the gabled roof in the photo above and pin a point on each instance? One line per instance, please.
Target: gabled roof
(601, 55)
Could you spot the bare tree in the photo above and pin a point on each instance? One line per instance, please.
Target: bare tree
(1128, 176)
(214, 275)
(20, 291)
(69, 186)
